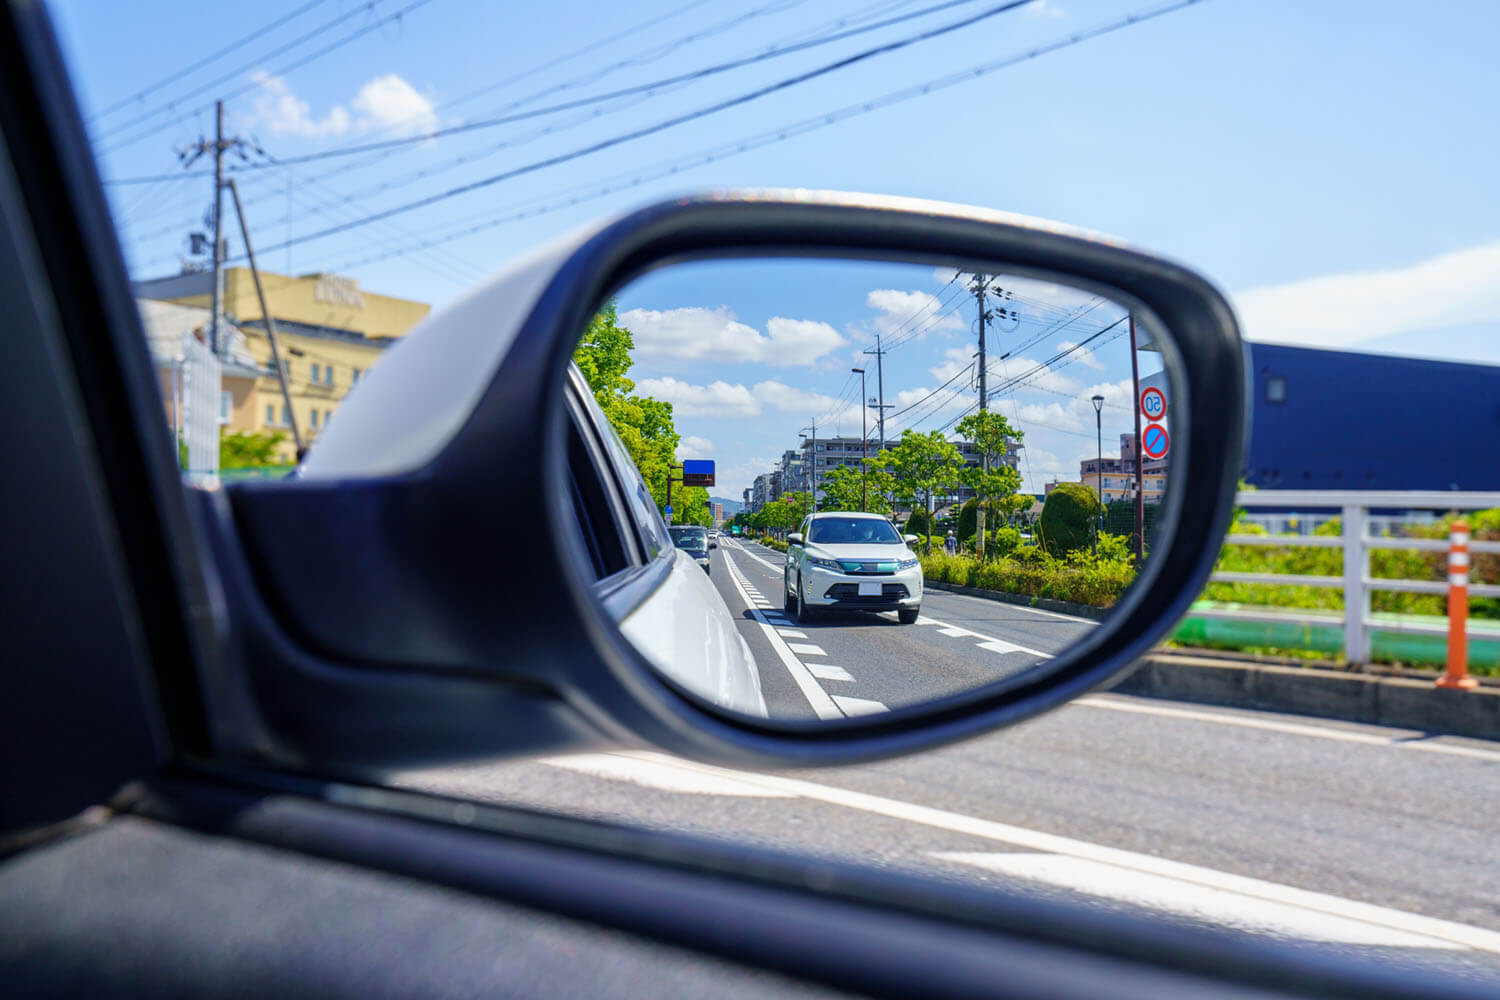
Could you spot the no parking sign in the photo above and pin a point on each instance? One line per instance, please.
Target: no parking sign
(1154, 441)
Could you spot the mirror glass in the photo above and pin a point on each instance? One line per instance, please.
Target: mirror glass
(876, 484)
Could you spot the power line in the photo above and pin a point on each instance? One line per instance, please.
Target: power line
(665, 124)
(670, 81)
(635, 178)
(254, 84)
(206, 60)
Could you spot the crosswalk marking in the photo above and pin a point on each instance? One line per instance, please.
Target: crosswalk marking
(828, 672)
(806, 649)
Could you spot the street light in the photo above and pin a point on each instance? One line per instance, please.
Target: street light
(1098, 402)
(864, 437)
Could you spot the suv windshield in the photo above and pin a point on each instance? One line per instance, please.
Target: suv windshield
(695, 539)
(853, 531)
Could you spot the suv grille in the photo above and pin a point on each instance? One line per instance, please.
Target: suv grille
(849, 592)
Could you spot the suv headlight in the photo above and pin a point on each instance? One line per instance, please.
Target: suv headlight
(827, 564)
(910, 563)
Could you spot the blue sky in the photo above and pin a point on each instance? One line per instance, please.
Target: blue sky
(1331, 165)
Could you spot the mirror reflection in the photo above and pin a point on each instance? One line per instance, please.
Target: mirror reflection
(859, 485)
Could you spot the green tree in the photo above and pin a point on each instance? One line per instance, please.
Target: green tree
(995, 488)
(1068, 519)
(843, 488)
(920, 466)
(248, 449)
(644, 424)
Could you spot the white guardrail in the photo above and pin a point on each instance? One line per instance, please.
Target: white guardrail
(1354, 508)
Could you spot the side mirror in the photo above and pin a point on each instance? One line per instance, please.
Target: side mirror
(347, 573)
(910, 539)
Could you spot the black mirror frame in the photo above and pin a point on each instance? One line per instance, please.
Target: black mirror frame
(410, 670)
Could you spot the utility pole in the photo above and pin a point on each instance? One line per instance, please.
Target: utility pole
(864, 440)
(980, 286)
(811, 472)
(189, 156)
(1140, 459)
(882, 405)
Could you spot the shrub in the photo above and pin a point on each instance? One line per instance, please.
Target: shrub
(1068, 519)
(968, 520)
(918, 524)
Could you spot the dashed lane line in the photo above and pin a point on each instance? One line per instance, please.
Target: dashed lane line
(828, 672)
(822, 705)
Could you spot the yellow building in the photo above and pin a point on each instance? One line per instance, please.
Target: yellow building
(331, 332)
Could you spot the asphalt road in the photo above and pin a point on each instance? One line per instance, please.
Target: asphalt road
(850, 663)
(1366, 839)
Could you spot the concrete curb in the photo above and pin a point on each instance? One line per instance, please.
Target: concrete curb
(1044, 603)
(1402, 702)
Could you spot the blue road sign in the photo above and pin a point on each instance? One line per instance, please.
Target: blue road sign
(1154, 441)
(670, 512)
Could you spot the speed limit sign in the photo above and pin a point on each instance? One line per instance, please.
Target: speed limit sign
(1153, 403)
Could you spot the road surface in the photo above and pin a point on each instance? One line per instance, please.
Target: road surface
(1366, 839)
(851, 663)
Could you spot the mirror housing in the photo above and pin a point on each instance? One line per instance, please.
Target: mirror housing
(346, 645)
(911, 540)
(795, 538)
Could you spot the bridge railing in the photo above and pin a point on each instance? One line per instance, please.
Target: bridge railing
(1355, 541)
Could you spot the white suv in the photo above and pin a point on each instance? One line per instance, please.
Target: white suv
(853, 561)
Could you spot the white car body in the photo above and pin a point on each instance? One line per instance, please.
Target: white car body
(824, 573)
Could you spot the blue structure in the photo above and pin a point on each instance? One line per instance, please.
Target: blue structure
(1329, 420)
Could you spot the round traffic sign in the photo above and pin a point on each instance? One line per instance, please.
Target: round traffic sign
(1153, 403)
(1154, 441)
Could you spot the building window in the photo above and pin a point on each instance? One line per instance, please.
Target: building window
(316, 375)
(270, 415)
(226, 403)
(354, 380)
(312, 419)
(286, 416)
(328, 374)
(286, 367)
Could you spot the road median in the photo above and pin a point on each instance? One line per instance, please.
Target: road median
(1402, 702)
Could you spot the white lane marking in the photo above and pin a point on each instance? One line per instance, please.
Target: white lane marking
(822, 705)
(924, 620)
(1001, 646)
(987, 639)
(828, 672)
(1291, 728)
(859, 706)
(663, 777)
(791, 633)
(1019, 607)
(1396, 920)
(955, 632)
(1174, 896)
(806, 649)
(752, 555)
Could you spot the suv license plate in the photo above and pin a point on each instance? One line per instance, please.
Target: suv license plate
(869, 589)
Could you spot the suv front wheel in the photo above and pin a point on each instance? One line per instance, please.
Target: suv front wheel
(908, 616)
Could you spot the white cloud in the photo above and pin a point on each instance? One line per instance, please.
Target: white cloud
(1051, 415)
(790, 400)
(1001, 373)
(692, 446)
(734, 479)
(390, 104)
(1045, 8)
(282, 112)
(908, 311)
(722, 399)
(698, 334)
(955, 360)
(385, 104)
(718, 399)
(1341, 310)
(1082, 355)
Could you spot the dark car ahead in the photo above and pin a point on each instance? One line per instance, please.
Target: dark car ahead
(694, 541)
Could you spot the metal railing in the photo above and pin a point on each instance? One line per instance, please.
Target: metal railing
(1356, 542)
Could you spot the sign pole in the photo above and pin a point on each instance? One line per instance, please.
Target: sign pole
(1140, 458)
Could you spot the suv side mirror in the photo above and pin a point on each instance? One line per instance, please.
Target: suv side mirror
(795, 538)
(910, 539)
